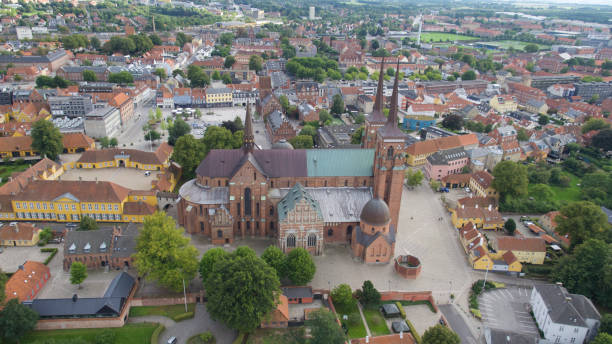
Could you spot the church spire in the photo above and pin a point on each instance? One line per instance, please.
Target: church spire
(390, 129)
(248, 140)
(379, 102)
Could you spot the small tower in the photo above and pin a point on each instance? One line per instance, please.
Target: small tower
(248, 140)
(376, 119)
(389, 159)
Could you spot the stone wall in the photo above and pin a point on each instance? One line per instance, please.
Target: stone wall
(409, 296)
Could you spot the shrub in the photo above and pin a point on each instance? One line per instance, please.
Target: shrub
(208, 338)
(53, 251)
(401, 309)
(183, 316)
(156, 333)
(415, 334)
(239, 339)
(354, 319)
(476, 313)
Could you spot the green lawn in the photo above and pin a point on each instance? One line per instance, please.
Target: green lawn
(167, 311)
(433, 37)
(570, 193)
(356, 329)
(128, 334)
(6, 170)
(516, 45)
(274, 335)
(413, 303)
(376, 322)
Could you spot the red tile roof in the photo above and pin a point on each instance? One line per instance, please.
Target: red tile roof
(27, 282)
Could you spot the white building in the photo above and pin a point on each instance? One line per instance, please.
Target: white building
(103, 122)
(563, 317)
(311, 13)
(23, 32)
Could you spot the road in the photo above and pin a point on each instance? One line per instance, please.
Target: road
(132, 136)
(458, 323)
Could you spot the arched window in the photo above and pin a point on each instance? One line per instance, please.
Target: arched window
(291, 240)
(247, 201)
(271, 210)
(330, 232)
(390, 153)
(219, 234)
(312, 240)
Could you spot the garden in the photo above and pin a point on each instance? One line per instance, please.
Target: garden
(174, 312)
(130, 333)
(8, 168)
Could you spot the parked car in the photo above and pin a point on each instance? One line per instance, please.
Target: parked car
(71, 225)
(147, 173)
(172, 340)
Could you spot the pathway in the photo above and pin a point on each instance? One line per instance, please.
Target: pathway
(160, 319)
(458, 323)
(365, 323)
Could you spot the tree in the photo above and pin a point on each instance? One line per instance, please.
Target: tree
(284, 102)
(178, 72)
(342, 295)
(123, 77)
(216, 76)
(324, 328)
(3, 280)
(510, 179)
(603, 140)
(522, 135)
(161, 73)
(414, 177)
(226, 78)
(337, 104)
(582, 220)
(390, 71)
(531, 48)
(357, 136)
(177, 129)
(104, 142)
(255, 63)
(226, 38)
(606, 323)
(95, 43)
(188, 152)
(510, 226)
(78, 273)
(299, 267)
(182, 38)
(588, 271)
(453, 122)
(44, 237)
(152, 135)
(209, 259)
(241, 291)
(89, 75)
(229, 61)
(87, 224)
(197, 77)
(324, 116)
(16, 320)
(374, 45)
(469, 75)
(114, 142)
(369, 295)
(234, 125)
(155, 39)
(274, 257)
(440, 334)
(221, 138)
(602, 338)
(47, 139)
(309, 130)
(163, 254)
(594, 124)
(301, 142)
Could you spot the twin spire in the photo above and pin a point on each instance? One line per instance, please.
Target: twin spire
(248, 140)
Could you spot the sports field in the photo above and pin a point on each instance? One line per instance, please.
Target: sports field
(433, 37)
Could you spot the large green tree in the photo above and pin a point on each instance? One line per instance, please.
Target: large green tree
(87, 224)
(510, 179)
(3, 279)
(588, 271)
(209, 259)
(78, 273)
(16, 320)
(163, 254)
(299, 267)
(337, 104)
(602, 338)
(89, 75)
(582, 220)
(594, 124)
(255, 63)
(414, 177)
(177, 129)
(47, 139)
(188, 152)
(241, 290)
(324, 328)
(369, 296)
(440, 334)
(603, 140)
(275, 258)
(301, 142)
(342, 295)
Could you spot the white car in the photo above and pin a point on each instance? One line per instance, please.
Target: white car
(172, 340)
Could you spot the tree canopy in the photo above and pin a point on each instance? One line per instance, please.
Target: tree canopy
(16, 320)
(78, 273)
(300, 268)
(209, 259)
(255, 63)
(163, 254)
(337, 104)
(87, 223)
(324, 328)
(510, 178)
(177, 129)
(582, 220)
(123, 77)
(342, 295)
(440, 334)
(47, 139)
(301, 142)
(453, 122)
(275, 258)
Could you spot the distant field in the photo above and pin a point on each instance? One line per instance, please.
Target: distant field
(433, 37)
(516, 45)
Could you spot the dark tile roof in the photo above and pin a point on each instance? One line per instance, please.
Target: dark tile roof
(273, 162)
(120, 286)
(566, 308)
(99, 241)
(293, 292)
(365, 239)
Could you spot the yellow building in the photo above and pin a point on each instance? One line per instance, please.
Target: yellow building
(504, 103)
(481, 183)
(19, 234)
(475, 246)
(69, 201)
(216, 97)
(116, 157)
(21, 146)
(526, 250)
(485, 218)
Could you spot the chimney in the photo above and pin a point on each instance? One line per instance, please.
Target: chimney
(401, 334)
(367, 339)
(568, 299)
(75, 297)
(559, 284)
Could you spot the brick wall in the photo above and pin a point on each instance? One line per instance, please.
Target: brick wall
(409, 296)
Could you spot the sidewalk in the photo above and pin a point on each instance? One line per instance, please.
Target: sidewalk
(365, 323)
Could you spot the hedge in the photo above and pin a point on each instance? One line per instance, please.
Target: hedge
(415, 334)
(183, 316)
(476, 313)
(53, 251)
(156, 333)
(240, 338)
(401, 309)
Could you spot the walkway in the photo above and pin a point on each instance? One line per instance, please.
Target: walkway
(365, 323)
(458, 323)
(183, 330)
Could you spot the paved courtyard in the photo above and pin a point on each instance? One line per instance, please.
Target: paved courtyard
(421, 317)
(515, 316)
(127, 177)
(12, 257)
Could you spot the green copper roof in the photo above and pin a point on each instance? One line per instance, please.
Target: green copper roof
(295, 195)
(339, 162)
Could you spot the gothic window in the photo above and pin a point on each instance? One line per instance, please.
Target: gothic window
(272, 225)
(257, 208)
(312, 240)
(390, 153)
(291, 240)
(330, 232)
(201, 226)
(271, 210)
(238, 208)
(247, 201)
(219, 234)
(254, 175)
(345, 182)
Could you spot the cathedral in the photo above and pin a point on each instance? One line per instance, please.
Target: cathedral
(304, 197)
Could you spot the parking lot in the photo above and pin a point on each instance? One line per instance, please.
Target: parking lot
(130, 178)
(507, 309)
(12, 257)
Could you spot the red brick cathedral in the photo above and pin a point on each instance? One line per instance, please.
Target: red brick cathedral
(304, 197)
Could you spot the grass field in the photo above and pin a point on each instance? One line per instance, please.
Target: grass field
(167, 311)
(128, 334)
(274, 335)
(516, 45)
(376, 322)
(433, 37)
(570, 193)
(6, 170)
(356, 329)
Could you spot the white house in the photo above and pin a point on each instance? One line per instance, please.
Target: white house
(563, 317)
